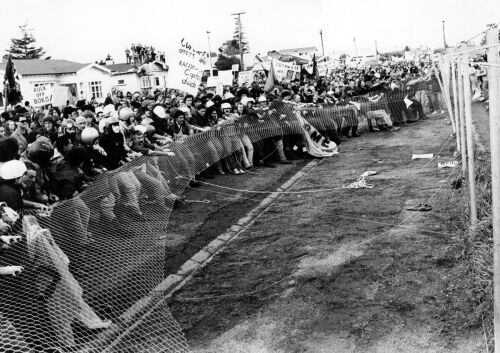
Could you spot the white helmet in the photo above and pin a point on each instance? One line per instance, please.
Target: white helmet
(262, 99)
(13, 169)
(225, 106)
(141, 128)
(245, 101)
(89, 135)
(184, 109)
(125, 113)
(160, 112)
(108, 109)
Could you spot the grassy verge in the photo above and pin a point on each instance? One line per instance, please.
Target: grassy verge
(470, 288)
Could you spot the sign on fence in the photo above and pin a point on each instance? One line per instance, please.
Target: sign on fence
(43, 93)
(317, 145)
(186, 67)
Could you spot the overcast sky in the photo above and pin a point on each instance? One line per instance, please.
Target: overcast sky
(87, 30)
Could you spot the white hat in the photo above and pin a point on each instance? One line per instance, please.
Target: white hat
(245, 101)
(108, 109)
(125, 113)
(141, 128)
(13, 169)
(160, 112)
(225, 106)
(262, 99)
(209, 104)
(89, 134)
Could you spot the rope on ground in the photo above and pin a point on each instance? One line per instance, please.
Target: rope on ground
(307, 191)
(244, 294)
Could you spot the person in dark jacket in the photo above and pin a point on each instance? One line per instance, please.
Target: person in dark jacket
(113, 144)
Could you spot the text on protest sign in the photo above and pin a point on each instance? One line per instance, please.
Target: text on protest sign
(43, 94)
(285, 71)
(316, 144)
(245, 77)
(186, 68)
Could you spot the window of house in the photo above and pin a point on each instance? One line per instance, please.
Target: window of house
(157, 81)
(146, 82)
(95, 89)
(121, 82)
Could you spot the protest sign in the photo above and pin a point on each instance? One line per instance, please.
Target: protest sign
(43, 94)
(316, 144)
(186, 67)
(212, 81)
(226, 77)
(281, 69)
(245, 77)
(235, 67)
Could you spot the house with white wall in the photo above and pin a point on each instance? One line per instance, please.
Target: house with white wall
(304, 53)
(130, 78)
(67, 80)
(72, 81)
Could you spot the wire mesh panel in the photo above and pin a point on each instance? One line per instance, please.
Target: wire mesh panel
(91, 258)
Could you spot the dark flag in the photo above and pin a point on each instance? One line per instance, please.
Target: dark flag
(315, 73)
(12, 85)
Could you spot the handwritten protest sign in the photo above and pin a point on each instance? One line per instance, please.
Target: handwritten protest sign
(186, 67)
(245, 77)
(43, 94)
(281, 69)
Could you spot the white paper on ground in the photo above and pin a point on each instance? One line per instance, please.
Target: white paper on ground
(423, 156)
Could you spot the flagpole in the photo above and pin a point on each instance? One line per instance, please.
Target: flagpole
(5, 99)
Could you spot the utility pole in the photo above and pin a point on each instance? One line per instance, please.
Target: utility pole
(444, 38)
(376, 49)
(356, 47)
(242, 67)
(209, 52)
(322, 46)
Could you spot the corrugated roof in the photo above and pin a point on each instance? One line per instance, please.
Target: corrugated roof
(298, 49)
(44, 67)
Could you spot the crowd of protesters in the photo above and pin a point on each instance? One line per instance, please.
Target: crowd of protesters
(65, 148)
(142, 54)
(51, 154)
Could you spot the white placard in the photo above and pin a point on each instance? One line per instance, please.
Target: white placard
(245, 77)
(226, 77)
(186, 67)
(43, 94)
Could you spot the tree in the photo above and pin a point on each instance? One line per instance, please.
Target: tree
(228, 55)
(226, 62)
(407, 48)
(236, 36)
(25, 48)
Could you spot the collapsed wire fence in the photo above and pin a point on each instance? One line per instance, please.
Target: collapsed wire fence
(91, 258)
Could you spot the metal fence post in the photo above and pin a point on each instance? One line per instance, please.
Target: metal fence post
(470, 145)
(461, 116)
(494, 92)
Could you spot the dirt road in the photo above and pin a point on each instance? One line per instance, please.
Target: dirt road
(344, 270)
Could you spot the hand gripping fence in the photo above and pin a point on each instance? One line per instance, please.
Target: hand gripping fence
(92, 257)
